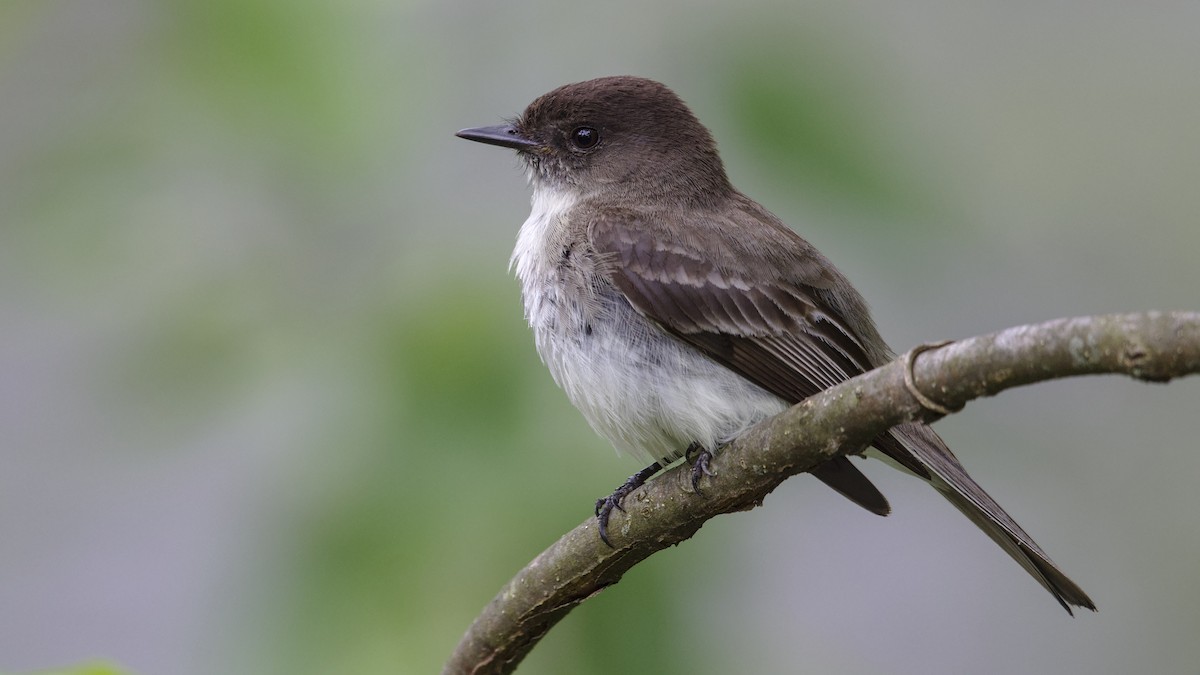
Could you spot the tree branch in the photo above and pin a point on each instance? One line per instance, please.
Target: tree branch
(1151, 346)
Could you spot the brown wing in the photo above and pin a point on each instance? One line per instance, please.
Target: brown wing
(774, 335)
(762, 311)
(760, 300)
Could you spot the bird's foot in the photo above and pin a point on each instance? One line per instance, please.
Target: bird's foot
(699, 464)
(605, 505)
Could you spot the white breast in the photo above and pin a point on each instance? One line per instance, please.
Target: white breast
(646, 392)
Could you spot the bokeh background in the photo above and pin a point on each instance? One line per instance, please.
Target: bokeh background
(268, 405)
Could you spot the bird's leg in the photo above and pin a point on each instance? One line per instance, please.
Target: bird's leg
(699, 465)
(605, 505)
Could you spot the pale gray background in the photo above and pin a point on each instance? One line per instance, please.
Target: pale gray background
(267, 403)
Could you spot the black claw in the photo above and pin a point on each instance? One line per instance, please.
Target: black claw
(605, 505)
(602, 514)
(699, 466)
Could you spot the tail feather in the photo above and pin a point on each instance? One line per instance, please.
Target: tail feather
(839, 474)
(920, 443)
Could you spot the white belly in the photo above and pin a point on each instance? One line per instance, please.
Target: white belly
(646, 392)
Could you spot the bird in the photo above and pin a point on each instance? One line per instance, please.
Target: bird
(676, 312)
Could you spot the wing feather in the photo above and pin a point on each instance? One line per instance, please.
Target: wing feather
(770, 308)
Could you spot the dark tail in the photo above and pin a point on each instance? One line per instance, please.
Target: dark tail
(839, 474)
(916, 446)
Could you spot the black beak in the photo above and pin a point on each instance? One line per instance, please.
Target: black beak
(503, 135)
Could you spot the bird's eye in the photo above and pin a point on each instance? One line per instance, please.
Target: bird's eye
(585, 138)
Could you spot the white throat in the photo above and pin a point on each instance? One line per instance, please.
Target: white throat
(538, 233)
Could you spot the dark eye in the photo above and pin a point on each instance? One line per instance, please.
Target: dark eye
(585, 137)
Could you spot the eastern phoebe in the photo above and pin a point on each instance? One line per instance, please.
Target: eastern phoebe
(676, 312)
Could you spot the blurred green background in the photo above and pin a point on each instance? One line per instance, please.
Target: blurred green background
(268, 405)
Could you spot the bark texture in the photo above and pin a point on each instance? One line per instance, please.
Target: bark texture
(1149, 346)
